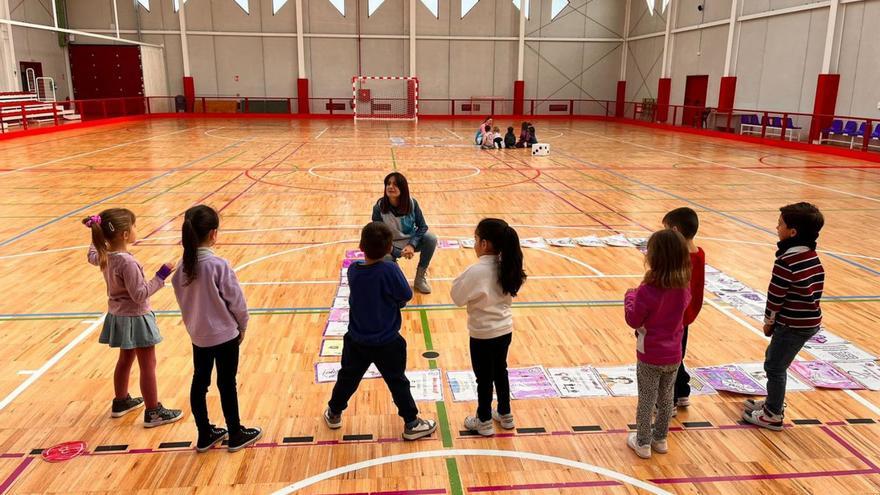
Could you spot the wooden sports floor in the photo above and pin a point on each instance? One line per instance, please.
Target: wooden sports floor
(293, 196)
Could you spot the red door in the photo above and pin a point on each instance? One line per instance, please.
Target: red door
(694, 101)
(37, 69)
(110, 73)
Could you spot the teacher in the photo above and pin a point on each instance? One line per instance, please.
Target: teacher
(404, 217)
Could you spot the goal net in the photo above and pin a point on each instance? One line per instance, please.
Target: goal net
(385, 97)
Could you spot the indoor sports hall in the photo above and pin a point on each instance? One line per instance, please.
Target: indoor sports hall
(286, 118)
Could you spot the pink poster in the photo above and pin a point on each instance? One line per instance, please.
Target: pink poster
(824, 375)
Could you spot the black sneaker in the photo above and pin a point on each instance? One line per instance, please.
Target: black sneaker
(121, 407)
(244, 437)
(334, 421)
(161, 416)
(210, 438)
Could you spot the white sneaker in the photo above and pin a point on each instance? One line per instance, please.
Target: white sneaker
(683, 402)
(753, 405)
(764, 418)
(484, 428)
(643, 451)
(506, 420)
(421, 428)
(660, 446)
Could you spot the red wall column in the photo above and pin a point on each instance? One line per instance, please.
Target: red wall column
(824, 104)
(189, 91)
(664, 86)
(620, 104)
(302, 96)
(519, 92)
(727, 94)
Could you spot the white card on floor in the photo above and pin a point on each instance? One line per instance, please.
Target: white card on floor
(340, 303)
(620, 381)
(589, 241)
(327, 372)
(426, 385)
(582, 381)
(463, 385)
(336, 329)
(344, 291)
(835, 353)
(866, 373)
(331, 347)
(562, 242)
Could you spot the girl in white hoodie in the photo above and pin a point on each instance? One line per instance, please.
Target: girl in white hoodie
(487, 288)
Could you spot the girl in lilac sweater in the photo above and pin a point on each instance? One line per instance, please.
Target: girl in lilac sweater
(655, 310)
(130, 324)
(216, 317)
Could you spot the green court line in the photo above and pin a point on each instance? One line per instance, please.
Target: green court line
(455, 487)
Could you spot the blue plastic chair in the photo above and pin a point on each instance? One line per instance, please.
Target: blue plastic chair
(777, 121)
(876, 133)
(790, 124)
(836, 127)
(850, 128)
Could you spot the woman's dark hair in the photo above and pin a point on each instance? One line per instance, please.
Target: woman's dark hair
(505, 242)
(198, 222)
(105, 227)
(669, 263)
(403, 205)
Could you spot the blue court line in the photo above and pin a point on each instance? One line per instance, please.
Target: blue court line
(108, 198)
(707, 208)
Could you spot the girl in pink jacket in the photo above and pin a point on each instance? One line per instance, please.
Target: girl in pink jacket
(655, 310)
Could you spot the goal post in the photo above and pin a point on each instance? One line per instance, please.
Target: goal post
(385, 97)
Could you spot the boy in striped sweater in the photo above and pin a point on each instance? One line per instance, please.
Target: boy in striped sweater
(793, 314)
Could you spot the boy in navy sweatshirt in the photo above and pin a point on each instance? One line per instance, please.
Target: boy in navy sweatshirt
(378, 291)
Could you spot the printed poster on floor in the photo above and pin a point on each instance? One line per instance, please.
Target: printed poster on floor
(331, 347)
(866, 373)
(823, 375)
(589, 241)
(426, 385)
(336, 329)
(337, 314)
(327, 372)
(730, 378)
(530, 383)
(834, 353)
(582, 381)
(463, 385)
(756, 371)
(620, 381)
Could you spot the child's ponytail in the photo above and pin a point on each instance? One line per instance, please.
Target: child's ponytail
(198, 222)
(505, 241)
(106, 227)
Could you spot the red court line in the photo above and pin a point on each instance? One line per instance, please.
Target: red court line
(10, 480)
(427, 491)
(234, 243)
(542, 486)
(249, 187)
(852, 450)
(215, 191)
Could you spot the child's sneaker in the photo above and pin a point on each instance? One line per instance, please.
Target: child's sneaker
(660, 446)
(243, 438)
(506, 420)
(419, 428)
(764, 418)
(161, 416)
(753, 405)
(121, 407)
(334, 421)
(643, 451)
(484, 428)
(683, 402)
(210, 438)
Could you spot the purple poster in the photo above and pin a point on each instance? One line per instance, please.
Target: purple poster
(337, 314)
(730, 379)
(530, 383)
(824, 375)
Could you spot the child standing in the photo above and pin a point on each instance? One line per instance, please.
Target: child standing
(130, 324)
(509, 138)
(378, 292)
(498, 139)
(656, 309)
(487, 288)
(793, 314)
(685, 222)
(216, 316)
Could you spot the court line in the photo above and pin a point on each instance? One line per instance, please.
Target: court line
(520, 455)
(87, 153)
(51, 362)
(449, 279)
(702, 206)
(573, 260)
(321, 133)
(734, 167)
(16, 473)
(112, 196)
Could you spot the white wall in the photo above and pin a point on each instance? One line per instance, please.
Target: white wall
(32, 45)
